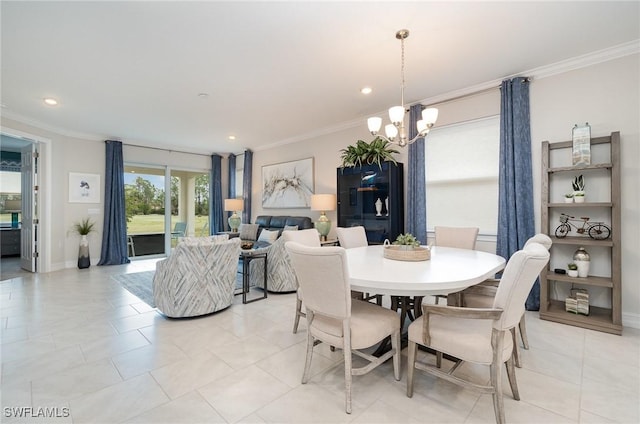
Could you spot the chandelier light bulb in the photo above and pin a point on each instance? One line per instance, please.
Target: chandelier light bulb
(374, 123)
(396, 115)
(430, 115)
(391, 130)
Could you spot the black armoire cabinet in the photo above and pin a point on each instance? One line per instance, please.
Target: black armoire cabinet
(374, 198)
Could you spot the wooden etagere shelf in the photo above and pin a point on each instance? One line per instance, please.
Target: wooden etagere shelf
(602, 319)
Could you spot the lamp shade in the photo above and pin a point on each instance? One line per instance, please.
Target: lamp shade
(323, 202)
(233, 205)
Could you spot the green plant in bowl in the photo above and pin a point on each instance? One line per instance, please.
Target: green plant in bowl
(407, 239)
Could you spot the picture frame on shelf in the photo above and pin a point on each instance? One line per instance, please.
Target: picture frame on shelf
(581, 135)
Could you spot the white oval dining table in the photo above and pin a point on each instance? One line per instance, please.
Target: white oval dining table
(449, 270)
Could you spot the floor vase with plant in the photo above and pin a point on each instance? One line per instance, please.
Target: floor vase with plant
(83, 229)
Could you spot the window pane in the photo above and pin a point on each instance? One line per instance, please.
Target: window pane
(462, 175)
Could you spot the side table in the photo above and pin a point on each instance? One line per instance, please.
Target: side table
(329, 242)
(231, 234)
(247, 256)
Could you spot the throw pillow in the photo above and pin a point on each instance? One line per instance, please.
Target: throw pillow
(248, 231)
(290, 228)
(268, 236)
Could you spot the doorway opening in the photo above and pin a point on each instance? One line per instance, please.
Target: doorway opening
(18, 206)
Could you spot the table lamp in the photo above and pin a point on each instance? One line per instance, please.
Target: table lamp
(234, 205)
(323, 203)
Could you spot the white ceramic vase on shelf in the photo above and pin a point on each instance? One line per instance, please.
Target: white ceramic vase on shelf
(378, 207)
(582, 259)
(386, 205)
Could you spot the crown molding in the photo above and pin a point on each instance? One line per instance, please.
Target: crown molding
(578, 62)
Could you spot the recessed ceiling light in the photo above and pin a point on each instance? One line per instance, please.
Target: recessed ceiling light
(366, 90)
(203, 95)
(232, 137)
(50, 101)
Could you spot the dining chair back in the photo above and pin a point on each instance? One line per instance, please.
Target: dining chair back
(480, 335)
(311, 238)
(460, 237)
(335, 318)
(350, 237)
(483, 296)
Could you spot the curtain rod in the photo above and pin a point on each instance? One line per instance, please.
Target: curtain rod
(473, 93)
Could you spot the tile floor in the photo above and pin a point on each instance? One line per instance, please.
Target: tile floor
(75, 343)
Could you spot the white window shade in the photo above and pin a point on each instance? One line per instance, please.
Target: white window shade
(462, 175)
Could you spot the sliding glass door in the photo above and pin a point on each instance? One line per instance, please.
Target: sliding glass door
(144, 190)
(156, 220)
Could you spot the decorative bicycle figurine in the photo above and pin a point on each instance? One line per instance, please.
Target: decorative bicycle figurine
(595, 230)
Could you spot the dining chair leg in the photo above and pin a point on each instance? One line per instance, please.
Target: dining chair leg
(347, 367)
(395, 344)
(511, 375)
(439, 359)
(498, 402)
(411, 362)
(307, 362)
(516, 348)
(523, 332)
(296, 321)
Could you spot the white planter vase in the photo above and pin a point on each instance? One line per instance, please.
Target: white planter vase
(572, 272)
(568, 200)
(583, 268)
(578, 199)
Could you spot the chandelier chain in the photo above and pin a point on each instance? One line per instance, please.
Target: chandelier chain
(402, 72)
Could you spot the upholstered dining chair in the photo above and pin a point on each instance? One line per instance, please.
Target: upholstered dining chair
(479, 335)
(349, 238)
(309, 238)
(482, 295)
(335, 318)
(458, 237)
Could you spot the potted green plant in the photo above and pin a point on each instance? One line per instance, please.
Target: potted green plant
(363, 153)
(572, 270)
(568, 198)
(408, 241)
(578, 189)
(83, 228)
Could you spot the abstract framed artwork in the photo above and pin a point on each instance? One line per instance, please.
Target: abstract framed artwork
(84, 188)
(288, 184)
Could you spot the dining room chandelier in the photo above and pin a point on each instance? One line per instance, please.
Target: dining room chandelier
(396, 132)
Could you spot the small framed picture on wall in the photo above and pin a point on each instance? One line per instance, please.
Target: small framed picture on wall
(84, 188)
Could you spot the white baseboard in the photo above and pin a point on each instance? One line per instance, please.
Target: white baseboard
(631, 320)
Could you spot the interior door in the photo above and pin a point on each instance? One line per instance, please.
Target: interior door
(29, 227)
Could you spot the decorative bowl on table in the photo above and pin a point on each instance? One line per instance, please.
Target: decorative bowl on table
(399, 253)
(246, 245)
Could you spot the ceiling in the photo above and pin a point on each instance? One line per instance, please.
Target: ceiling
(272, 72)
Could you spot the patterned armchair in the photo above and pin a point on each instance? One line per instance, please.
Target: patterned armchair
(280, 275)
(198, 278)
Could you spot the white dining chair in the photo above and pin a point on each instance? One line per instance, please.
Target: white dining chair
(458, 237)
(352, 237)
(309, 238)
(479, 335)
(335, 318)
(482, 295)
